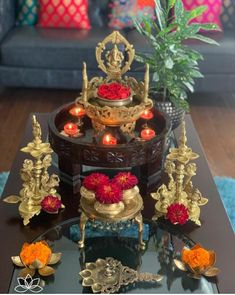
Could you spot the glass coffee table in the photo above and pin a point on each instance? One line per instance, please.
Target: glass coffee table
(215, 233)
(163, 242)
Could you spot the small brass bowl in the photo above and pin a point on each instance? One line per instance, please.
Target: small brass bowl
(130, 194)
(114, 102)
(109, 210)
(87, 194)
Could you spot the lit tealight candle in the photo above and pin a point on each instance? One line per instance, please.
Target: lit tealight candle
(147, 133)
(70, 129)
(77, 111)
(147, 115)
(108, 139)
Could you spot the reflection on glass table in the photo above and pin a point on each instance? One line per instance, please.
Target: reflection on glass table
(162, 246)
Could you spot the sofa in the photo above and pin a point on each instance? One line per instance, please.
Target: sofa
(52, 58)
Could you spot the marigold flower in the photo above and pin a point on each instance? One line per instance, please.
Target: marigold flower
(109, 193)
(91, 181)
(36, 251)
(125, 180)
(197, 257)
(51, 204)
(177, 213)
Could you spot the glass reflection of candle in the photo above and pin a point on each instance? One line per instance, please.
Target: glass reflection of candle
(70, 129)
(147, 115)
(147, 133)
(77, 111)
(108, 139)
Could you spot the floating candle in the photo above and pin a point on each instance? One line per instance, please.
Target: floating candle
(77, 111)
(70, 129)
(147, 115)
(147, 133)
(108, 139)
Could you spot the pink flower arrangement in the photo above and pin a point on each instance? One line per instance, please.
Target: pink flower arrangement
(125, 180)
(51, 204)
(177, 213)
(92, 181)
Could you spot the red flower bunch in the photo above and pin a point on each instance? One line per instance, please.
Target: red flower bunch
(109, 193)
(125, 180)
(92, 181)
(51, 204)
(113, 91)
(177, 213)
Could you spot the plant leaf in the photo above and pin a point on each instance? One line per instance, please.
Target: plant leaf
(179, 9)
(197, 11)
(204, 39)
(155, 77)
(169, 63)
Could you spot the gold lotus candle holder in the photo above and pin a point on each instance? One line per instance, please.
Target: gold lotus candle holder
(37, 183)
(118, 112)
(34, 257)
(179, 193)
(108, 275)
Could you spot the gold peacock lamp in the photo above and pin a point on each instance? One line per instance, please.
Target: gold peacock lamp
(180, 189)
(119, 112)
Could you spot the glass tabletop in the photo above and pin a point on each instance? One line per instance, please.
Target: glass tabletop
(163, 244)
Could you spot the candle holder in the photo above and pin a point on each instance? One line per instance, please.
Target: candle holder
(37, 183)
(180, 190)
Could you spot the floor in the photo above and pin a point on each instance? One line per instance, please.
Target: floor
(213, 116)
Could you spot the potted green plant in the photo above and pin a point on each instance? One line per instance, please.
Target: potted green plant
(174, 65)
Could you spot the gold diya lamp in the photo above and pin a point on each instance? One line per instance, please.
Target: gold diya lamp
(179, 197)
(133, 94)
(39, 188)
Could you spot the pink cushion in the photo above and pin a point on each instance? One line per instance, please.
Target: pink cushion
(211, 15)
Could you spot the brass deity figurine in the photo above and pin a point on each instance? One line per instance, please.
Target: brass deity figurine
(114, 113)
(37, 183)
(180, 188)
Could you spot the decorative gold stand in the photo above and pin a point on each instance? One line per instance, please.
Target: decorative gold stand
(37, 183)
(108, 275)
(114, 66)
(180, 188)
(132, 211)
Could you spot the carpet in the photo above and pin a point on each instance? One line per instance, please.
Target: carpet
(225, 186)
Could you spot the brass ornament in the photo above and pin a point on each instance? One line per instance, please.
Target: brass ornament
(180, 188)
(108, 275)
(110, 213)
(37, 183)
(209, 271)
(114, 113)
(43, 270)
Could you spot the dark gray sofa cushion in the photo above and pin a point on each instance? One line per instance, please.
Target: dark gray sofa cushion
(51, 48)
(217, 59)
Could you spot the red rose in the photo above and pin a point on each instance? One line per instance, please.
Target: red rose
(114, 91)
(177, 213)
(51, 204)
